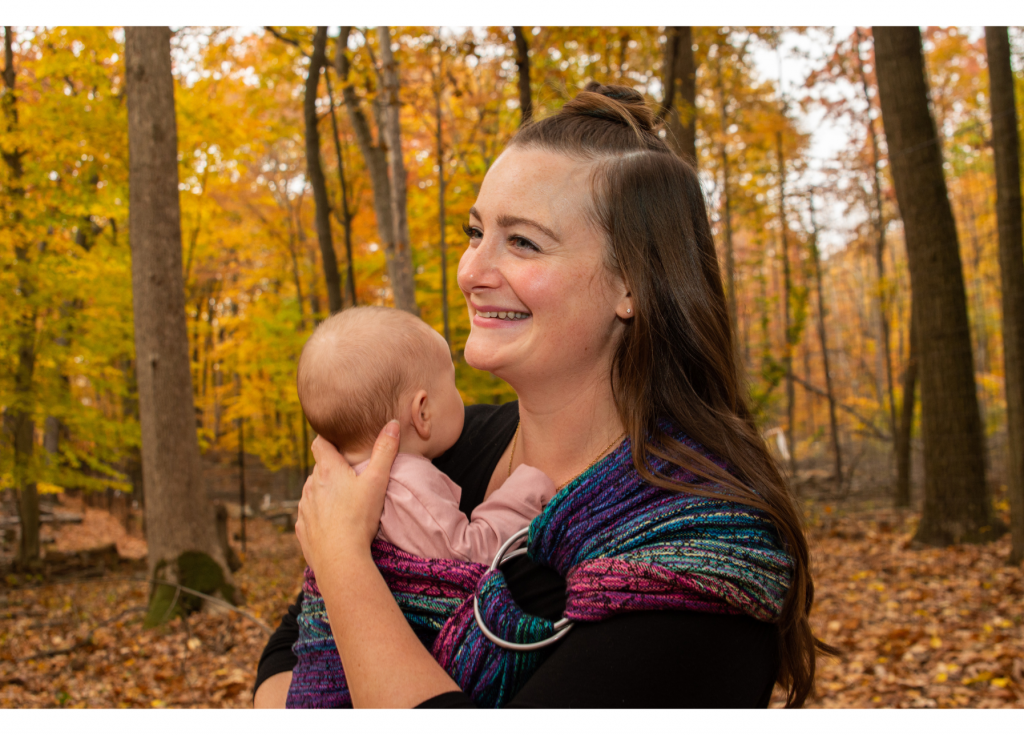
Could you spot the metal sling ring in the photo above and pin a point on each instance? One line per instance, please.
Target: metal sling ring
(562, 627)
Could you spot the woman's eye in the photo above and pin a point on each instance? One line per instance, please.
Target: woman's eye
(473, 233)
(522, 243)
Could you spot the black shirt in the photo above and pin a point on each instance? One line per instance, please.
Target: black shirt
(637, 659)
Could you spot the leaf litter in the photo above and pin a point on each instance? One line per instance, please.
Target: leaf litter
(916, 627)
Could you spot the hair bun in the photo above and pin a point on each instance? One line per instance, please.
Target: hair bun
(616, 92)
(615, 103)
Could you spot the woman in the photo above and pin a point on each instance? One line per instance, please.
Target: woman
(596, 237)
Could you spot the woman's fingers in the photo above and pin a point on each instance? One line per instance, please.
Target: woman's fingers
(385, 449)
(328, 460)
(339, 513)
(324, 451)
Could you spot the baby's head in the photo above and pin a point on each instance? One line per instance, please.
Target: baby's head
(367, 365)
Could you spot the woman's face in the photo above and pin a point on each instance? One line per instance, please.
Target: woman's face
(542, 303)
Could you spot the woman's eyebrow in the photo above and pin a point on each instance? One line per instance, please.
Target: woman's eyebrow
(510, 220)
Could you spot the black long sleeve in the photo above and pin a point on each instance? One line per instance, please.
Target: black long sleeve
(652, 660)
(277, 656)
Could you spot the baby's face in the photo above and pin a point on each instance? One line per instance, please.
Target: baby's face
(448, 410)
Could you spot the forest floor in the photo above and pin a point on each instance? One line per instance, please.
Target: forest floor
(916, 627)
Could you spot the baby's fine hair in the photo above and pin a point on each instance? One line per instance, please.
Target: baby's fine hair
(356, 367)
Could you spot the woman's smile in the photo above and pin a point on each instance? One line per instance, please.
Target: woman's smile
(500, 317)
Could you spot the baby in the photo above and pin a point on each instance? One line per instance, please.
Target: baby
(367, 365)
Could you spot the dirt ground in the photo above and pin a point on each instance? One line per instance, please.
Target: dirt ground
(917, 627)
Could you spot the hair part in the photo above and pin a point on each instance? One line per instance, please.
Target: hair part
(677, 357)
(357, 367)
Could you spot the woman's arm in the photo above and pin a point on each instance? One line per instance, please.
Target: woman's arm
(273, 692)
(385, 663)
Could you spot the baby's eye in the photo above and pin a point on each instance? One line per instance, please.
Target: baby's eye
(473, 233)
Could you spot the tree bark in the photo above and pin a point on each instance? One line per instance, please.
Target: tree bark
(441, 185)
(730, 259)
(346, 212)
(679, 106)
(316, 172)
(403, 286)
(22, 411)
(180, 522)
(904, 459)
(837, 453)
(1006, 151)
(787, 291)
(523, 69)
(882, 295)
(374, 154)
(957, 507)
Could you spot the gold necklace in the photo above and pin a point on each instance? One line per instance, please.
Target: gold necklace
(597, 459)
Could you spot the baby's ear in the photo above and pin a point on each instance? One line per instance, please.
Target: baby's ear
(420, 411)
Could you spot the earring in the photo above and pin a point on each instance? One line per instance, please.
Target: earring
(629, 311)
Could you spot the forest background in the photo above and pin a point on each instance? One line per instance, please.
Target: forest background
(812, 250)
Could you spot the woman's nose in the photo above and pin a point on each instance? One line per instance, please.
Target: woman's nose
(478, 268)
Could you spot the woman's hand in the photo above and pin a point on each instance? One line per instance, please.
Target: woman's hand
(339, 512)
(386, 665)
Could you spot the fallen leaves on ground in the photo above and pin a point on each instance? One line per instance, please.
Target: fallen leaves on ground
(82, 644)
(917, 627)
(98, 528)
(929, 627)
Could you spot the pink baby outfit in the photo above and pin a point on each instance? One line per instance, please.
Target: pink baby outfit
(421, 511)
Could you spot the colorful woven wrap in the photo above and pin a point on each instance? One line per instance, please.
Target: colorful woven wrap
(621, 545)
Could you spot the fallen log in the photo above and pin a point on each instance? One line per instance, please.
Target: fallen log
(51, 518)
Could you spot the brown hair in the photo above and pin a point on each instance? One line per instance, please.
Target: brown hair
(356, 367)
(676, 359)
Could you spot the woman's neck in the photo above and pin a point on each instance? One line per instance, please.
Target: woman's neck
(564, 428)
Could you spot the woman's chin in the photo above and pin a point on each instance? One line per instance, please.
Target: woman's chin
(480, 354)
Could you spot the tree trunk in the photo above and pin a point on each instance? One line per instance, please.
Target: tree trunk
(180, 523)
(1006, 150)
(23, 408)
(316, 172)
(730, 259)
(346, 213)
(523, 68)
(402, 284)
(882, 295)
(374, 154)
(441, 184)
(957, 507)
(296, 276)
(904, 463)
(241, 479)
(679, 106)
(787, 327)
(823, 339)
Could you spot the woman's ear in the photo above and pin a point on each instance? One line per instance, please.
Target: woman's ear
(420, 410)
(621, 295)
(624, 309)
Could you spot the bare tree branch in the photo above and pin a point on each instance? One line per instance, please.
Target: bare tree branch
(875, 431)
(281, 37)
